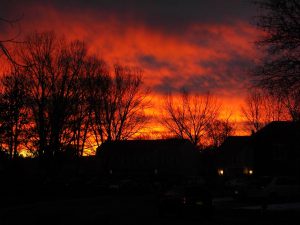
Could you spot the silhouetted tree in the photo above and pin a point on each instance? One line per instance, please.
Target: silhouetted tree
(53, 69)
(13, 113)
(72, 98)
(189, 116)
(3, 48)
(82, 120)
(291, 99)
(262, 107)
(119, 101)
(218, 130)
(36, 53)
(280, 21)
(282, 103)
(65, 92)
(3, 43)
(253, 110)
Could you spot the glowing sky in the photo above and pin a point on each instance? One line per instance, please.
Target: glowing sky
(200, 45)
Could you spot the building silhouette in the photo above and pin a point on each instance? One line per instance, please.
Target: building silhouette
(273, 150)
(169, 157)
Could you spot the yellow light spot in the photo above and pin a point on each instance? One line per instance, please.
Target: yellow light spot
(221, 172)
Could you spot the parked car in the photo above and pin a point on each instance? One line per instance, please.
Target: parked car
(277, 188)
(180, 200)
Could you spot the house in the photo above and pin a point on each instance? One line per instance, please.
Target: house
(235, 156)
(277, 149)
(169, 157)
(273, 150)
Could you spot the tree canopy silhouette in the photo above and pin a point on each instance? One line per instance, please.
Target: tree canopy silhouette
(69, 97)
(280, 21)
(4, 50)
(189, 116)
(119, 101)
(13, 112)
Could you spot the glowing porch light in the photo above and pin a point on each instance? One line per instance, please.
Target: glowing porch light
(221, 172)
(248, 171)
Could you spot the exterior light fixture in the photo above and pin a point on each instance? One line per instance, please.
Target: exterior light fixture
(221, 172)
(248, 171)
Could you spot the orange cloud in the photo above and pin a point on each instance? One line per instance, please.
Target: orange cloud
(205, 57)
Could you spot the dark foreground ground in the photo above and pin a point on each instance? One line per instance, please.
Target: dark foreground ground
(140, 209)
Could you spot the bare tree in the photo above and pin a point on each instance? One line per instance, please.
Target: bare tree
(280, 21)
(82, 119)
(218, 130)
(53, 70)
(262, 107)
(292, 103)
(13, 113)
(71, 96)
(119, 102)
(35, 53)
(65, 91)
(4, 42)
(254, 110)
(188, 116)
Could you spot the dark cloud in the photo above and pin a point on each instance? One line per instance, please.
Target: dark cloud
(226, 78)
(170, 15)
(230, 77)
(151, 62)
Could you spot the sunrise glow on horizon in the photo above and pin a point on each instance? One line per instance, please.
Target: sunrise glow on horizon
(194, 51)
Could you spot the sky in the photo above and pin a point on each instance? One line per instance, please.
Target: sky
(202, 46)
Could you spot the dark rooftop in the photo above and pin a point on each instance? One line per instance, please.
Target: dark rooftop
(280, 129)
(235, 142)
(146, 145)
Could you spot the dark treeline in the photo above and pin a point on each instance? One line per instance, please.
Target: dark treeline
(276, 95)
(197, 118)
(59, 96)
(58, 100)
